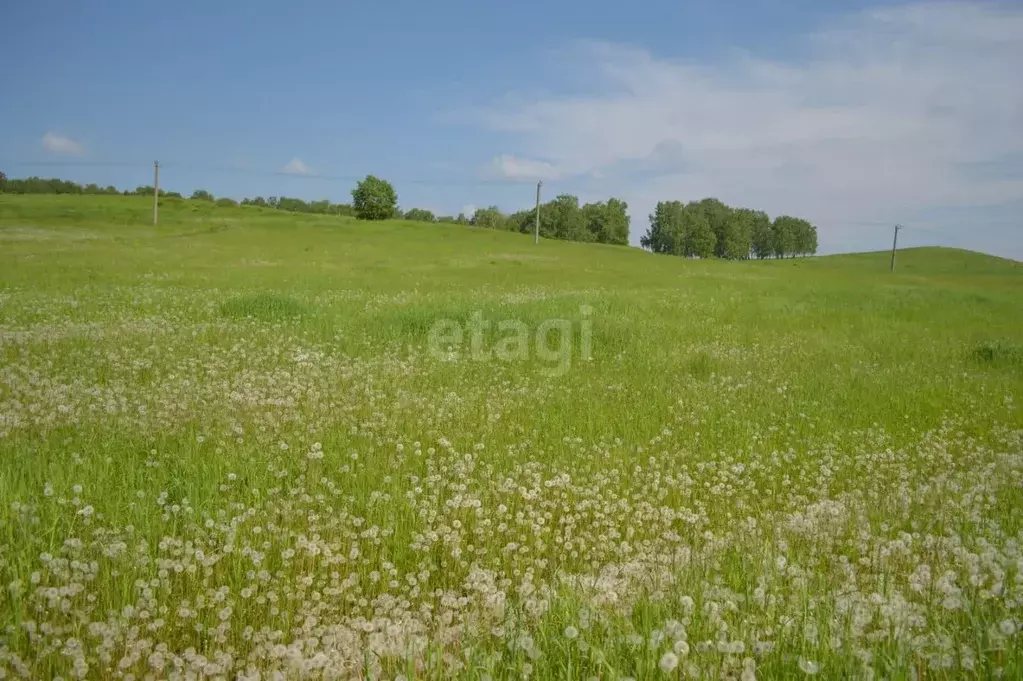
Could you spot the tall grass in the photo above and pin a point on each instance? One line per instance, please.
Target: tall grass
(230, 451)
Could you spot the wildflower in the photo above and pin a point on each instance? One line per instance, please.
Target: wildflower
(809, 667)
(668, 662)
(749, 670)
(571, 632)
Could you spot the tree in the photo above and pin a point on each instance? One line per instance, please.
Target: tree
(523, 221)
(202, 195)
(607, 222)
(762, 238)
(224, 201)
(784, 234)
(292, 205)
(811, 241)
(805, 237)
(487, 217)
(3, 180)
(562, 219)
(718, 217)
(665, 232)
(374, 199)
(734, 239)
(419, 215)
(698, 239)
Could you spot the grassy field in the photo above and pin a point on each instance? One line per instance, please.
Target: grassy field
(234, 446)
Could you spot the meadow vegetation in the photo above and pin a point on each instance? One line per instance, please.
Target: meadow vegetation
(704, 229)
(229, 452)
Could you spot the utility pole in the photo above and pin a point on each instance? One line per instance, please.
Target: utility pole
(536, 231)
(895, 243)
(156, 191)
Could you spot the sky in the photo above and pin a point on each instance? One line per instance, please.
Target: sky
(856, 116)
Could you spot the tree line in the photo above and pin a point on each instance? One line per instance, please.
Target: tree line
(375, 199)
(698, 229)
(52, 185)
(561, 218)
(40, 185)
(605, 222)
(710, 228)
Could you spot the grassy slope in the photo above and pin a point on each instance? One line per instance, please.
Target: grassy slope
(661, 325)
(704, 357)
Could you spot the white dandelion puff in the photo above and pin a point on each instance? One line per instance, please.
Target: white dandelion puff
(668, 662)
(809, 667)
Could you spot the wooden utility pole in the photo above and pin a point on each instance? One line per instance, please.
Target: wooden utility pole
(895, 243)
(156, 191)
(536, 230)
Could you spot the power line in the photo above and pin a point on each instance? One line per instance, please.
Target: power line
(315, 177)
(74, 164)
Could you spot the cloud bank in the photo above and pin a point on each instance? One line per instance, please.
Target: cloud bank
(908, 114)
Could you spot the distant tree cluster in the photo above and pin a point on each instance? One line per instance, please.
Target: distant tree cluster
(459, 219)
(419, 215)
(39, 185)
(323, 207)
(698, 229)
(52, 185)
(711, 229)
(605, 222)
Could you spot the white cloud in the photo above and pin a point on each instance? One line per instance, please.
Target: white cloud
(889, 116)
(62, 145)
(297, 166)
(514, 168)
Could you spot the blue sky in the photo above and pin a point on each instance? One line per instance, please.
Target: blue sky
(854, 115)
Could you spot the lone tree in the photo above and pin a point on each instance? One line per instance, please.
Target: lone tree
(3, 180)
(374, 199)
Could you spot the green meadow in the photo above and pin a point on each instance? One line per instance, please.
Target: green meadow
(251, 444)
